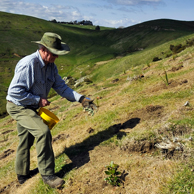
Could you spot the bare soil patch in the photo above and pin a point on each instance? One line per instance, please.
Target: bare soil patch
(148, 112)
(171, 84)
(59, 137)
(5, 132)
(11, 186)
(6, 153)
(90, 177)
(139, 146)
(176, 68)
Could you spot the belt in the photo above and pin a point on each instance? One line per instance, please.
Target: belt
(34, 109)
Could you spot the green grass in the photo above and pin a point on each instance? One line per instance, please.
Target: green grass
(7, 170)
(42, 189)
(183, 181)
(188, 121)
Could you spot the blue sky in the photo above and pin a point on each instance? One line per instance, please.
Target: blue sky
(110, 13)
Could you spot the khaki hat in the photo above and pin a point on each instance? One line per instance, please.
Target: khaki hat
(53, 43)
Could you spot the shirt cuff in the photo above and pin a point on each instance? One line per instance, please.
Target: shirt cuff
(81, 99)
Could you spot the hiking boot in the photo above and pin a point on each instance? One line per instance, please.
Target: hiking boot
(34, 172)
(22, 178)
(53, 181)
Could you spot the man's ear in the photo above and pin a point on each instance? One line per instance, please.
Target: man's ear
(42, 52)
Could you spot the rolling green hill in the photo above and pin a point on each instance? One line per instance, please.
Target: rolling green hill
(87, 45)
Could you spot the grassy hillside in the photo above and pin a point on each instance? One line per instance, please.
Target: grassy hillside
(136, 113)
(145, 118)
(87, 45)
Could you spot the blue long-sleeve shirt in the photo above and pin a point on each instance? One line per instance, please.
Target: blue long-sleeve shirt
(33, 80)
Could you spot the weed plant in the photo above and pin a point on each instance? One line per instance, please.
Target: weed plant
(165, 79)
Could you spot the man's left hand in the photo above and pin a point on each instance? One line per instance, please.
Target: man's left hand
(89, 105)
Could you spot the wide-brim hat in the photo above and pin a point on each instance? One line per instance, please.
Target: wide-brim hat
(53, 43)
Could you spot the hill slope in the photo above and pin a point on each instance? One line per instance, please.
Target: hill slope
(136, 113)
(87, 46)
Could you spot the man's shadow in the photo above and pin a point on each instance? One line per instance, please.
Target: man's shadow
(79, 153)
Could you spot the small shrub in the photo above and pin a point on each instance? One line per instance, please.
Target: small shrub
(171, 47)
(113, 177)
(156, 59)
(148, 64)
(168, 55)
(97, 28)
(190, 42)
(174, 57)
(177, 49)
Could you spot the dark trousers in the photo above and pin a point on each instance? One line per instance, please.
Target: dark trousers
(30, 126)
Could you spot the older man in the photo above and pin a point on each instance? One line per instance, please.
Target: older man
(34, 76)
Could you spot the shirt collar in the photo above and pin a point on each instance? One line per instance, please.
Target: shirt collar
(40, 59)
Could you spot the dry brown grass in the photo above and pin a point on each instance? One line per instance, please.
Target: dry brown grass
(145, 171)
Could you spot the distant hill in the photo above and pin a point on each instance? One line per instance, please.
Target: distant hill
(88, 46)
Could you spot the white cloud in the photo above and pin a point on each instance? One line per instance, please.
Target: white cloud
(134, 2)
(58, 12)
(114, 11)
(117, 23)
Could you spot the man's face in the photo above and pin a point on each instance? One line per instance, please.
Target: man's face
(49, 57)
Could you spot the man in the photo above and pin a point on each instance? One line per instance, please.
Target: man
(34, 76)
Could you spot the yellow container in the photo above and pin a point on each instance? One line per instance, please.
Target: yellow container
(48, 117)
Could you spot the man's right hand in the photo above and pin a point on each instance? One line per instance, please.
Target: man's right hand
(43, 102)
